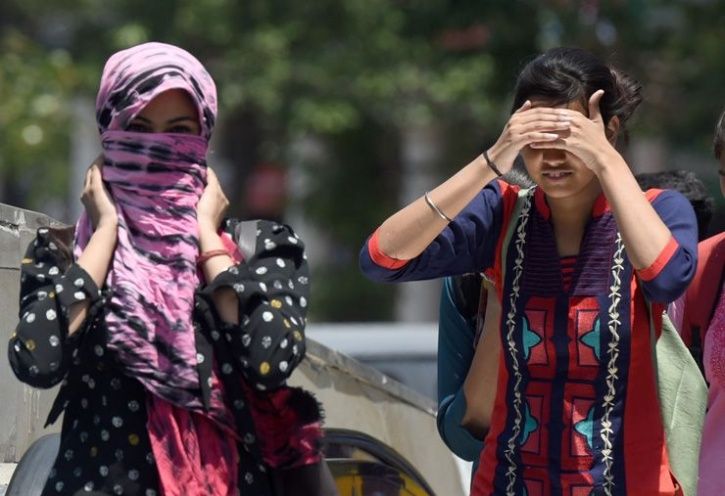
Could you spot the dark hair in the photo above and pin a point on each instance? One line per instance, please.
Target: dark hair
(718, 141)
(563, 75)
(687, 183)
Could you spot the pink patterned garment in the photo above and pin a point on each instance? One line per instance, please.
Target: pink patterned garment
(712, 454)
(156, 181)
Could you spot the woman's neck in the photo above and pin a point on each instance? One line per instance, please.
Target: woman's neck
(577, 208)
(569, 217)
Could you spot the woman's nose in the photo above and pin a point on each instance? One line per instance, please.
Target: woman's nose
(553, 157)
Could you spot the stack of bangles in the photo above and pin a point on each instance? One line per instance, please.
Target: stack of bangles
(437, 209)
(211, 254)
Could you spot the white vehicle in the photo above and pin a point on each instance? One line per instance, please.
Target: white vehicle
(405, 352)
(402, 352)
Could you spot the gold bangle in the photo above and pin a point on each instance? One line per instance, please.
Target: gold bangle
(435, 208)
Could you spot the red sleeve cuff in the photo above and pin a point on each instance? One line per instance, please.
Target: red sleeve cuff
(664, 257)
(381, 258)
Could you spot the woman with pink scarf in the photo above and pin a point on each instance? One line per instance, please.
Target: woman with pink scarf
(170, 330)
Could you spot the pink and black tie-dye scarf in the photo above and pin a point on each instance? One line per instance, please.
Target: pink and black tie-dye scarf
(156, 181)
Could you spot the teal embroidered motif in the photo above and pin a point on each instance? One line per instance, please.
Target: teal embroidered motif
(592, 339)
(586, 427)
(530, 425)
(530, 338)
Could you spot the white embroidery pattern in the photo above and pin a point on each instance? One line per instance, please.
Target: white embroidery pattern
(511, 447)
(606, 431)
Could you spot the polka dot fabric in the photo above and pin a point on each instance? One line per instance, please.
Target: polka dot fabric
(105, 447)
(273, 289)
(40, 346)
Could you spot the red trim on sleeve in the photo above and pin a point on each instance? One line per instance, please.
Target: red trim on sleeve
(665, 255)
(701, 295)
(381, 258)
(653, 193)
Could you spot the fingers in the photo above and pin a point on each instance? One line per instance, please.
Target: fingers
(594, 112)
(541, 131)
(94, 176)
(539, 140)
(98, 161)
(542, 114)
(526, 106)
(96, 187)
(542, 125)
(87, 179)
(544, 138)
(213, 181)
(211, 177)
(556, 144)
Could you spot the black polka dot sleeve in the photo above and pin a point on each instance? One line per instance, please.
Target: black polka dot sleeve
(40, 348)
(272, 286)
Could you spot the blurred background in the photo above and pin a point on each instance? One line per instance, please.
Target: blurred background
(335, 112)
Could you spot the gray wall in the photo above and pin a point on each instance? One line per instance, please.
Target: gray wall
(22, 408)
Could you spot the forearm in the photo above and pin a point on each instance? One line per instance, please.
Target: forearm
(481, 381)
(225, 300)
(95, 260)
(408, 232)
(457, 437)
(271, 287)
(643, 232)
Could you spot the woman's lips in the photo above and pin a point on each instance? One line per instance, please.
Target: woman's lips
(556, 175)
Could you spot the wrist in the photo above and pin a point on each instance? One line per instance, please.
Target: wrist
(494, 151)
(606, 161)
(207, 224)
(209, 239)
(207, 228)
(107, 227)
(497, 156)
(491, 164)
(207, 255)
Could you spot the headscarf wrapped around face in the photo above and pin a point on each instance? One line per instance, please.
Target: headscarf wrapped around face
(156, 180)
(135, 76)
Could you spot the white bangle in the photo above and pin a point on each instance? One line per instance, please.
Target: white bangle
(435, 208)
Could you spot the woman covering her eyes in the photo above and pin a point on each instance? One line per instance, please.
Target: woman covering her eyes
(576, 410)
(171, 338)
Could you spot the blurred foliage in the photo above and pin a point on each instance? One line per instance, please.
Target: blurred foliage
(353, 74)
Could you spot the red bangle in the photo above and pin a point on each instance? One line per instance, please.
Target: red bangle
(211, 254)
